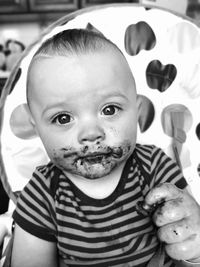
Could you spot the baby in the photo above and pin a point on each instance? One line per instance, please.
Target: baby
(81, 209)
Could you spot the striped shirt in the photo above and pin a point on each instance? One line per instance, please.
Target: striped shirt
(91, 232)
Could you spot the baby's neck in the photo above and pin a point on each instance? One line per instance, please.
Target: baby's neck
(98, 188)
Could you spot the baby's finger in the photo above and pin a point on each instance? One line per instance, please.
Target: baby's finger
(161, 193)
(170, 211)
(185, 250)
(175, 232)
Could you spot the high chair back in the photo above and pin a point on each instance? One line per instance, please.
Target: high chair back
(163, 50)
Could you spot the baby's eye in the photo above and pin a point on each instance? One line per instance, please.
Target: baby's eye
(110, 110)
(62, 119)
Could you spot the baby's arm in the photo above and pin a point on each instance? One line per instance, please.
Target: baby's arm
(31, 251)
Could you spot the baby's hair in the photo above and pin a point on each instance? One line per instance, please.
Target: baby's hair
(76, 41)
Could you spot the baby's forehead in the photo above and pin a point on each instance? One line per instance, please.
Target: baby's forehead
(41, 63)
(111, 53)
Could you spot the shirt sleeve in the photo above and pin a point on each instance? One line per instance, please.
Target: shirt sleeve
(165, 170)
(35, 208)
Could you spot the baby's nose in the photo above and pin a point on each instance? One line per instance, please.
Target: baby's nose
(91, 133)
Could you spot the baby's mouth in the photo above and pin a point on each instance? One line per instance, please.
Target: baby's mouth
(94, 158)
(92, 162)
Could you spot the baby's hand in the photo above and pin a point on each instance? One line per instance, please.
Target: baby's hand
(177, 216)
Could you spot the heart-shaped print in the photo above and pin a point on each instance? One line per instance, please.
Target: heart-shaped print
(139, 37)
(160, 76)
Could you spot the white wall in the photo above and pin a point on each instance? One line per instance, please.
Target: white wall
(175, 5)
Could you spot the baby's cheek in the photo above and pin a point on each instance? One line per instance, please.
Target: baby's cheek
(122, 132)
(128, 135)
(112, 133)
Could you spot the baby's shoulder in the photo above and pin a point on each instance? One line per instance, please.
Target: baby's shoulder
(145, 155)
(146, 150)
(47, 171)
(49, 175)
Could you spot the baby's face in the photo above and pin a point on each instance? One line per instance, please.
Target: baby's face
(84, 110)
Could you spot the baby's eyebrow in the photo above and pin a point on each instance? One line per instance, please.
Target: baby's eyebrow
(54, 106)
(115, 94)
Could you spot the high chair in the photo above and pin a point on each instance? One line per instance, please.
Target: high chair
(163, 50)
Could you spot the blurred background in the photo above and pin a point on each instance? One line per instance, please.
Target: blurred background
(21, 22)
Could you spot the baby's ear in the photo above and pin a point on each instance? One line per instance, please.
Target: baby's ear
(22, 123)
(146, 112)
